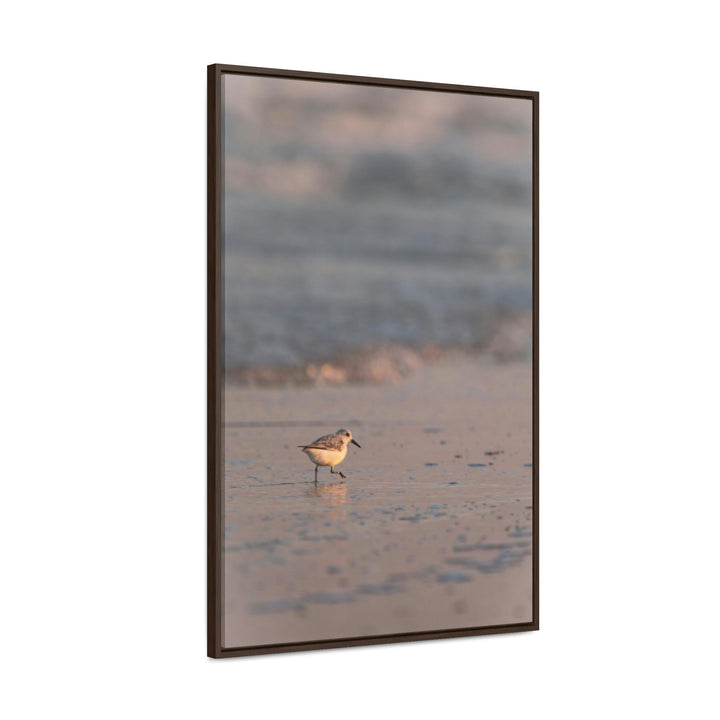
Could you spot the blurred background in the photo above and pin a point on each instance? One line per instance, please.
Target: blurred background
(367, 229)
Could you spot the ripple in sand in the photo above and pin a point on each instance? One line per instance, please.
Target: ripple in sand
(274, 606)
(521, 532)
(380, 589)
(483, 546)
(453, 577)
(329, 598)
(502, 561)
(305, 535)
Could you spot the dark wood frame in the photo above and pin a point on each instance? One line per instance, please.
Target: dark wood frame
(214, 369)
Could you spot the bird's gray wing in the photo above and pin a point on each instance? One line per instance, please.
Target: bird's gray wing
(326, 442)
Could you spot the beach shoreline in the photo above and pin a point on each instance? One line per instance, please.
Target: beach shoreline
(431, 530)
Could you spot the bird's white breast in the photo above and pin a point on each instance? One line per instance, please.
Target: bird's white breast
(326, 457)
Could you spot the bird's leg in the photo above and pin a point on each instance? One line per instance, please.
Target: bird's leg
(332, 470)
(316, 469)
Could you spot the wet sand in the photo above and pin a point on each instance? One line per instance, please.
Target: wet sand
(431, 530)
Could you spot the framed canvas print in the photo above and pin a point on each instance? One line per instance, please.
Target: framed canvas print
(372, 360)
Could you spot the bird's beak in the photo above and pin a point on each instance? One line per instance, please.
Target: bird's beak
(356, 443)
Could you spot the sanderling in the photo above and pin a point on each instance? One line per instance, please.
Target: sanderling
(329, 450)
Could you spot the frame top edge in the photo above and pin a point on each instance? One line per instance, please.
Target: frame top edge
(219, 69)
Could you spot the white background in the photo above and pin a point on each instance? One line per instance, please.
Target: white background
(102, 290)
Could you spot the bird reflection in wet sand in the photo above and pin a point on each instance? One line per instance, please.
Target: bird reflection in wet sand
(334, 494)
(329, 450)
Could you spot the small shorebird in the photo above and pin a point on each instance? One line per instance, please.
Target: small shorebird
(329, 450)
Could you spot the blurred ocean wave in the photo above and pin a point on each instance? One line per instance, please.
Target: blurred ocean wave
(361, 221)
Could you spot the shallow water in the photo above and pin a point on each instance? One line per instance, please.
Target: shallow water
(299, 286)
